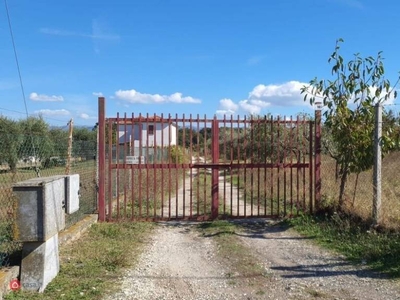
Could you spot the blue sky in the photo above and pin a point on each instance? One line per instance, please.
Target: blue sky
(181, 56)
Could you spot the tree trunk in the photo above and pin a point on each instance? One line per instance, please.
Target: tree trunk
(343, 181)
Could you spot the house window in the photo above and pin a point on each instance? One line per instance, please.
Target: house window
(151, 130)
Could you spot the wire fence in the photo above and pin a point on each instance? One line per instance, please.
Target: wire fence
(23, 157)
(358, 196)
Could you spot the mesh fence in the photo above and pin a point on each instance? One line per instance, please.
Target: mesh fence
(358, 197)
(23, 157)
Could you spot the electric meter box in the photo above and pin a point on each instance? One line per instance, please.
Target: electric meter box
(40, 211)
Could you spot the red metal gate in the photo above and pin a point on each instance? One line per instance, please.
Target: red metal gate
(163, 168)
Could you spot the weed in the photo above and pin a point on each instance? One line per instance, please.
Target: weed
(90, 266)
(353, 238)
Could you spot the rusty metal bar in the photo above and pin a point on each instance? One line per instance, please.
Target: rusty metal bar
(279, 160)
(238, 162)
(272, 171)
(162, 162)
(205, 171)
(154, 162)
(176, 175)
(230, 170)
(169, 169)
(291, 162)
(140, 163)
(191, 170)
(118, 166)
(110, 173)
(304, 160)
(132, 152)
(215, 171)
(245, 169)
(265, 169)
(146, 162)
(198, 171)
(252, 161)
(284, 169)
(310, 158)
(125, 154)
(184, 169)
(101, 159)
(298, 169)
(224, 156)
(258, 159)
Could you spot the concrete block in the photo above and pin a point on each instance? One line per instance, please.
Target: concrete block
(40, 264)
(39, 209)
(72, 193)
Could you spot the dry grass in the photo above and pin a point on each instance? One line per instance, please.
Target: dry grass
(142, 193)
(359, 194)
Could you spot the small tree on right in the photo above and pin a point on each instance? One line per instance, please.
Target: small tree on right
(349, 99)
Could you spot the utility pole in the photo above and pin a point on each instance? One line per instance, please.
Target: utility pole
(70, 130)
(377, 181)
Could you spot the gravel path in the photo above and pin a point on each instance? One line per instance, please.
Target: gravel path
(180, 263)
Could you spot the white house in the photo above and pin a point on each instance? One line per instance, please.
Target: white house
(147, 132)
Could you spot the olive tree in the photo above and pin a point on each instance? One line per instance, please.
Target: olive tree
(349, 99)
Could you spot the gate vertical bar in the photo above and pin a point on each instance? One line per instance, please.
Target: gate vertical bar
(310, 158)
(102, 159)
(317, 187)
(215, 170)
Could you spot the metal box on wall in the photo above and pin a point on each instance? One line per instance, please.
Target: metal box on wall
(39, 208)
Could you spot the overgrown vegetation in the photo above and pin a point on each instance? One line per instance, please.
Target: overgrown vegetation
(91, 266)
(349, 99)
(352, 237)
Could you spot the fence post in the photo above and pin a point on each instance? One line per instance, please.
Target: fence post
(102, 159)
(215, 169)
(69, 154)
(376, 211)
(317, 181)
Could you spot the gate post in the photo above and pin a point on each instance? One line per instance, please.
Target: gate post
(215, 169)
(101, 159)
(318, 156)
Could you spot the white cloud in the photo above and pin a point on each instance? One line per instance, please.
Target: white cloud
(45, 98)
(262, 96)
(133, 96)
(227, 107)
(286, 94)
(50, 112)
(97, 35)
(255, 60)
(86, 116)
(98, 94)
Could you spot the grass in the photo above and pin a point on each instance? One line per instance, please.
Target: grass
(151, 189)
(244, 268)
(91, 266)
(353, 238)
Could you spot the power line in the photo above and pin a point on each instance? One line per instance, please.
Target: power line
(34, 114)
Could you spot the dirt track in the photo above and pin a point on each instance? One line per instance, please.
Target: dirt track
(180, 263)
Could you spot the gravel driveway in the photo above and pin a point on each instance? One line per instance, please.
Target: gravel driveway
(181, 263)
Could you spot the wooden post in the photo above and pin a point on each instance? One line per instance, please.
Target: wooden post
(376, 211)
(69, 155)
